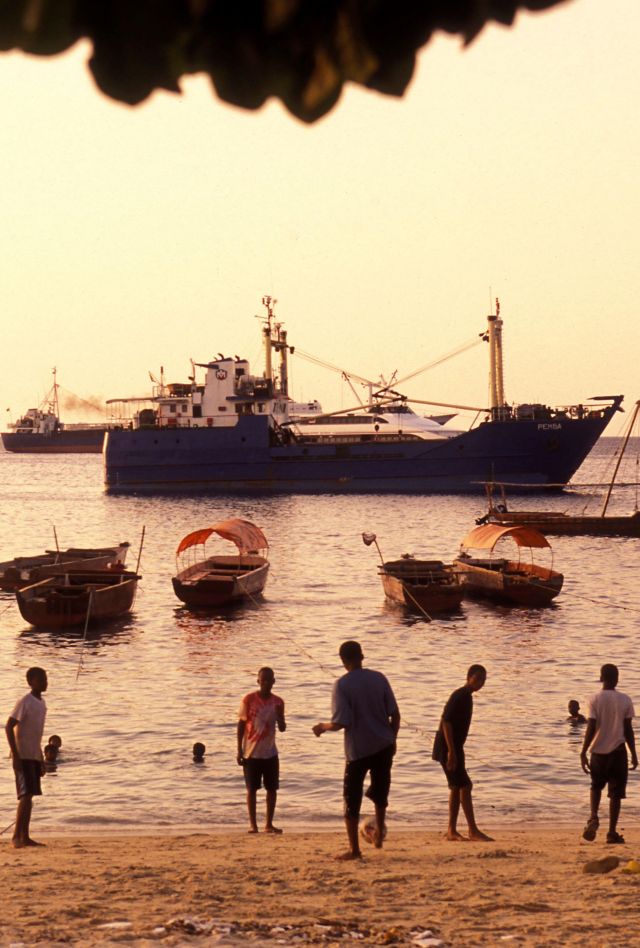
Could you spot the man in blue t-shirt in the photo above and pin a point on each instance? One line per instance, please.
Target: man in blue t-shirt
(448, 750)
(364, 705)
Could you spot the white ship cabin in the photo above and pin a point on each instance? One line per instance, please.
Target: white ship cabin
(229, 390)
(36, 421)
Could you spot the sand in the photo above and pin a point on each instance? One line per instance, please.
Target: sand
(528, 887)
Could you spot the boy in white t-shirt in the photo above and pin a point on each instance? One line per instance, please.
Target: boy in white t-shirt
(609, 732)
(24, 730)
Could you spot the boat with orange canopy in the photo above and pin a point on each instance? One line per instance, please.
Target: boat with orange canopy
(204, 581)
(516, 581)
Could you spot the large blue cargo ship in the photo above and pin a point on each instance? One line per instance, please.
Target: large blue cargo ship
(240, 433)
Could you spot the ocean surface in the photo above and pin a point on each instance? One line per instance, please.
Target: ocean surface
(130, 701)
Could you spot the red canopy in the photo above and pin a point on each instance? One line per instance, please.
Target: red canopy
(486, 537)
(246, 536)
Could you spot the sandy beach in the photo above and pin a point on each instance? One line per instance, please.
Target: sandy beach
(527, 887)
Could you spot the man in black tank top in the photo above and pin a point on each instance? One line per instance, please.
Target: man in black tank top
(448, 750)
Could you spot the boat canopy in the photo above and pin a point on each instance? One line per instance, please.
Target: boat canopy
(246, 536)
(486, 536)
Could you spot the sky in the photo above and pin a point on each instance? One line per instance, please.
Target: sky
(134, 238)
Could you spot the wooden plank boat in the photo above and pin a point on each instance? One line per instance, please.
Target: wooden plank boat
(423, 585)
(426, 586)
(513, 581)
(25, 570)
(559, 523)
(78, 597)
(222, 579)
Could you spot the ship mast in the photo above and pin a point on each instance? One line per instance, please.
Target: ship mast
(54, 401)
(496, 374)
(266, 337)
(275, 337)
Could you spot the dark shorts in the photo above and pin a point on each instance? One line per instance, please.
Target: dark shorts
(263, 771)
(379, 768)
(28, 779)
(611, 770)
(457, 779)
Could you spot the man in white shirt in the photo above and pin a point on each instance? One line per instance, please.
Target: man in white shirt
(24, 730)
(608, 733)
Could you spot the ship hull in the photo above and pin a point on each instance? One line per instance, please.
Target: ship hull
(242, 459)
(73, 441)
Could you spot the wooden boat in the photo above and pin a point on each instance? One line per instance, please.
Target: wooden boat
(25, 570)
(512, 581)
(78, 597)
(559, 523)
(222, 579)
(424, 585)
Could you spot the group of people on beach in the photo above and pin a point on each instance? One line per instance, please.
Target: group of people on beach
(364, 707)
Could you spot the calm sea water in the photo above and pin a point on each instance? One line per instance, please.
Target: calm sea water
(130, 702)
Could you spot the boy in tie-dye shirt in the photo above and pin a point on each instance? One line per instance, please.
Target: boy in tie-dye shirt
(260, 712)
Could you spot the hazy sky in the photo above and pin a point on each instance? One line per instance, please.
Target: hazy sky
(134, 238)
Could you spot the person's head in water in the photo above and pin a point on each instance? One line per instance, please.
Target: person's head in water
(266, 681)
(574, 708)
(609, 675)
(37, 680)
(56, 741)
(198, 752)
(476, 677)
(50, 753)
(351, 654)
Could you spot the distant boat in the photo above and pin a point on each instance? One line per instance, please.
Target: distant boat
(40, 431)
(25, 570)
(513, 581)
(425, 586)
(77, 597)
(222, 579)
(558, 523)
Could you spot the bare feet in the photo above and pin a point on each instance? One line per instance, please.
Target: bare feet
(345, 857)
(32, 842)
(18, 843)
(479, 837)
(273, 830)
(378, 837)
(254, 829)
(455, 837)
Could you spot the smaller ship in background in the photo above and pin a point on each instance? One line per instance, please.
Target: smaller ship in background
(40, 430)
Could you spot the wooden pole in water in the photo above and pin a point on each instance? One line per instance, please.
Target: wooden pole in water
(622, 450)
(141, 545)
(84, 635)
(55, 537)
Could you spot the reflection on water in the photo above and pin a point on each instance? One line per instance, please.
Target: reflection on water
(154, 682)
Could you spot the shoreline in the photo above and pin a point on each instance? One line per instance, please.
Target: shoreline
(527, 886)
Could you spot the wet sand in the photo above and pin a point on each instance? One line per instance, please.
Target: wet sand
(527, 887)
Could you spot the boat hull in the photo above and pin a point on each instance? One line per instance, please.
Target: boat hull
(213, 590)
(422, 585)
(243, 459)
(71, 441)
(566, 525)
(513, 583)
(24, 571)
(55, 603)
(427, 597)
